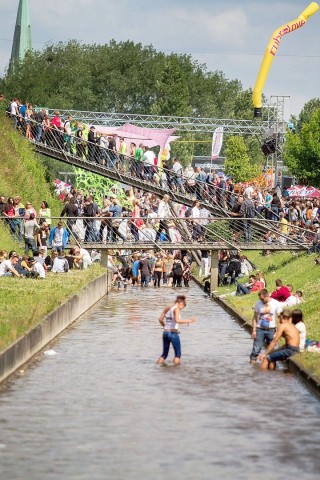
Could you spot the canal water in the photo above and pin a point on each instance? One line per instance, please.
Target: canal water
(101, 409)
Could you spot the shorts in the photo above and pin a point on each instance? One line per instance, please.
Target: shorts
(168, 338)
(282, 354)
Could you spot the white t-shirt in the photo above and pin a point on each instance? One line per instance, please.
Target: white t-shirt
(148, 157)
(303, 334)
(58, 235)
(13, 107)
(265, 320)
(39, 269)
(5, 267)
(67, 127)
(291, 301)
(177, 168)
(249, 191)
(86, 258)
(196, 214)
(164, 210)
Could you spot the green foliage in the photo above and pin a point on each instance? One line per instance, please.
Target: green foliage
(237, 164)
(124, 77)
(309, 108)
(302, 151)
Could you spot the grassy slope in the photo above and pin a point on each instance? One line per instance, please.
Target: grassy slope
(24, 302)
(304, 275)
(21, 173)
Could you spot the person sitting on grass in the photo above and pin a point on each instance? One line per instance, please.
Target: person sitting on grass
(60, 264)
(3, 255)
(291, 334)
(253, 286)
(37, 268)
(294, 299)
(7, 267)
(297, 320)
(49, 260)
(281, 293)
(82, 258)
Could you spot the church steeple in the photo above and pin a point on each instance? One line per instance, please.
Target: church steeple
(22, 35)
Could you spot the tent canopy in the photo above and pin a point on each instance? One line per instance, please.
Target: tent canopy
(150, 137)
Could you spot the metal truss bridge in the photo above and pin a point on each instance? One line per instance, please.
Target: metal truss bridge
(181, 124)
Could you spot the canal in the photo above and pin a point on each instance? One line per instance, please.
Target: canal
(101, 409)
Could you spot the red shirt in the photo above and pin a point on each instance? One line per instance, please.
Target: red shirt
(56, 122)
(257, 286)
(282, 294)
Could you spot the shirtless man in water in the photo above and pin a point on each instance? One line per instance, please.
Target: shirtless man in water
(292, 337)
(170, 320)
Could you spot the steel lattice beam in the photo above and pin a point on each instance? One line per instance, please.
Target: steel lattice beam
(181, 124)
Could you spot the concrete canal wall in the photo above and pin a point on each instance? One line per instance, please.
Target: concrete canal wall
(52, 325)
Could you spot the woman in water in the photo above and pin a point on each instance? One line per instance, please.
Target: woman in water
(170, 320)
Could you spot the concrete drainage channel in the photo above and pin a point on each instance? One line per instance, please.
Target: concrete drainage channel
(303, 375)
(26, 347)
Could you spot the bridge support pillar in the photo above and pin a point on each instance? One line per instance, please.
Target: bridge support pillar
(214, 275)
(104, 257)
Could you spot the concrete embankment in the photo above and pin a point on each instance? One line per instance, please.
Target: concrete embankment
(52, 325)
(309, 380)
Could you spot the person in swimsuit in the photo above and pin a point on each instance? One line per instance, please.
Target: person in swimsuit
(170, 320)
(291, 336)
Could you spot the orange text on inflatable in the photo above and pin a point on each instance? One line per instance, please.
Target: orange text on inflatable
(271, 51)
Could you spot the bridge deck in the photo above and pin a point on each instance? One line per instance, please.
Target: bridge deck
(138, 246)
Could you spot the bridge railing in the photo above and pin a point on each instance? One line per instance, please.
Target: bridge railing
(181, 188)
(228, 233)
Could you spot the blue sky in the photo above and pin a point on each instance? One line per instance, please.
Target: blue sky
(226, 35)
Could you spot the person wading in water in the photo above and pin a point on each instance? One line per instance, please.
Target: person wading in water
(170, 320)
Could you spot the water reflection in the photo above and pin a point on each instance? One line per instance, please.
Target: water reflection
(101, 408)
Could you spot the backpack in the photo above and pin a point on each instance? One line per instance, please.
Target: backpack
(177, 268)
(249, 210)
(90, 211)
(8, 110)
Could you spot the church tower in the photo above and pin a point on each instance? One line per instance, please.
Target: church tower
(22, 35)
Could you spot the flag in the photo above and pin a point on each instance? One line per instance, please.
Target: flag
(217, 141)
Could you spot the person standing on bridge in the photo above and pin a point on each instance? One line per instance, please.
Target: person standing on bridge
(92, 140)
(170, 319)
(164, 212)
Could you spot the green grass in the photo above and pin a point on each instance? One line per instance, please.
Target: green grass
(6, 241)
(24, 302)
(22, 171)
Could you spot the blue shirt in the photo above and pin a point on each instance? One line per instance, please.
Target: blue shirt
(135, 268)
(23, 110)
(116, 211)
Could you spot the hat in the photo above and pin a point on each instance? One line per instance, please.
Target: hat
(31, 260)
(92, 127)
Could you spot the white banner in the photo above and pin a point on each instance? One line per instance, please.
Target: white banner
(217, 141)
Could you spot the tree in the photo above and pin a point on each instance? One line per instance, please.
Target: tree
(237, 164)
(308, 109)
(302, 151)
(121, 76)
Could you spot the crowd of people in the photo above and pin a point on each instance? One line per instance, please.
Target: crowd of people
(138, 216)
(242, 200)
